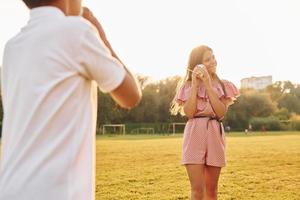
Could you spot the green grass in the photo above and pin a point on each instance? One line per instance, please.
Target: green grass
(260, 167)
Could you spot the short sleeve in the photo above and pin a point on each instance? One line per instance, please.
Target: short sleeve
(231, 90)
(97, 62)
(183, 94)
(231, 93)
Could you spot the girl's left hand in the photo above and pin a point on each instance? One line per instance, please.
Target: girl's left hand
(205, 75)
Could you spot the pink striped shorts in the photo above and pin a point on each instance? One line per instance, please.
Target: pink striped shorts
(203, 143)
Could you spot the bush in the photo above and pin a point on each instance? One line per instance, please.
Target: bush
(295, 125)
(267, 123)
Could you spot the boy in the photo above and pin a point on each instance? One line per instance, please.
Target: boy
(51, 70)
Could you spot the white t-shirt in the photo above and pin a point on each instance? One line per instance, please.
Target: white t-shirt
(51, 70)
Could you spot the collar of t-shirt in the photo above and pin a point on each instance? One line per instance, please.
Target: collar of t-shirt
(45, 12)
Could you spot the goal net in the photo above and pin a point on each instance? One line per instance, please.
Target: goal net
(143, 131)
(176, 128)
(113, 128)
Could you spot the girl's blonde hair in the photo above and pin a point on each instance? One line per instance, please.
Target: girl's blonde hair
(195, 58)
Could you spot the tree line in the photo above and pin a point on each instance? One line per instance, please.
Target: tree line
(276, 107)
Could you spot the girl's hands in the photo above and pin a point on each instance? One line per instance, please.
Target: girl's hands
(202, 74)
(196, 77)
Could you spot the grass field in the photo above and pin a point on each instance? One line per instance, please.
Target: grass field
(263, 167)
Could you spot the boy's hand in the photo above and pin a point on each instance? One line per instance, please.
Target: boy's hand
(88, 15)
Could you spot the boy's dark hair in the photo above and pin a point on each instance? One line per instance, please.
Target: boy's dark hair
(37, 3)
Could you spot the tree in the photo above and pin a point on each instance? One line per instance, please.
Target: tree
(249, 104)
(290, 102)
(282, 114)
(275, 90)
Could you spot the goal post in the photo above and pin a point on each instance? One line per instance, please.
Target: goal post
(172, 126)
(121, 127)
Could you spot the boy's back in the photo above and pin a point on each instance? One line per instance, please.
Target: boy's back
(49, 88)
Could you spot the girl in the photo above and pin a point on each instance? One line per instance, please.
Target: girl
(204, 99)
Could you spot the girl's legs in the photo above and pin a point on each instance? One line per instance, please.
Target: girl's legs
(196, 176)
(211, 175)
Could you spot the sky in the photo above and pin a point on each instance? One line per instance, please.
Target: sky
(154, 37)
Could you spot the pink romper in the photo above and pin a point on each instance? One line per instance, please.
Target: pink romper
(202, 142)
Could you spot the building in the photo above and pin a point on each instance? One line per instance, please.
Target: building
(256, 83)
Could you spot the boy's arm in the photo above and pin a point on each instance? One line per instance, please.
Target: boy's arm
(128, 94)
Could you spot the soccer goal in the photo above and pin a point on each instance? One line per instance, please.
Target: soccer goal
(143, 131)
(113, 128)
(173, 126)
